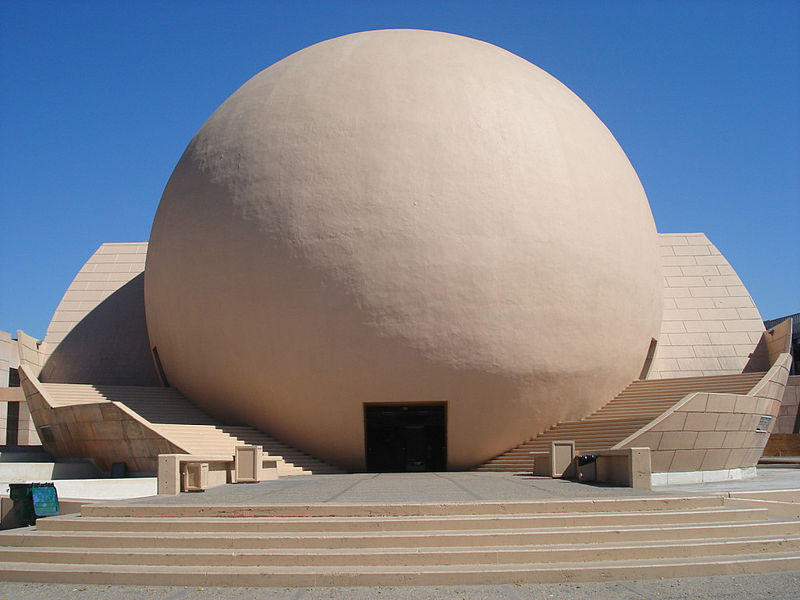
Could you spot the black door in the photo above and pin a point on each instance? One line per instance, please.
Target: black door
(405, 437)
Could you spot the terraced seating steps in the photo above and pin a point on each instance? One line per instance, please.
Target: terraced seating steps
(633, 408)
(178, 420)
(370, 544)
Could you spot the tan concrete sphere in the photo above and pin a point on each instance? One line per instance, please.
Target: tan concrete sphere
(402, 216)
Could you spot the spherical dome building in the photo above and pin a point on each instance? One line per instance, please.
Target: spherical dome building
(395, 221)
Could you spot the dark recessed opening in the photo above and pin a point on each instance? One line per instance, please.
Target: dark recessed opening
(405, 438)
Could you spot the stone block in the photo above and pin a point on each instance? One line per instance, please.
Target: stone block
(718, 351)
(715, 459)
(748, 313)
(703, 326)
(698, 421)
(699, 270)
(562, 454)
(672, 327)
(667, 240)
(673, 422)
(709, 440)
(703, 364)
(649, 439)
(735, 439)
(697, 403)
(676, 292)
(90, 413)
(718, 314)
(691, 250)
(737, 457)
(733, 302)
(721, 403)
(678, 261)
(682, 314)
(720, 280)
(661, 460)
(708, 292)
(675, 351)
(729, 337)
(691, 339)
(754, 325)
(687, 460)
(131, 430)
(678, 440)
(733, 363)
(700, 239)
(686, 282)
(107, 430)
(694, 303)
(751, 457)
(729, 422)
(247, 464)
(745, 404)
(169, 474)
(737, 290)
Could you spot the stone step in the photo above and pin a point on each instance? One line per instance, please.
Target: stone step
(384, 539)
(398, 575)
(608, 505)
(633, 408)
(178, 420)
(392, 557)
(330, 524)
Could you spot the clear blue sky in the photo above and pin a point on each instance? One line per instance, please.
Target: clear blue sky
(99, 99)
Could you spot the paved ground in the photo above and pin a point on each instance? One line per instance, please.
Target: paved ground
(403, 488)
(776, 586)
(471, 486)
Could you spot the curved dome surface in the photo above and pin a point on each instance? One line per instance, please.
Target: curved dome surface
(402, 216)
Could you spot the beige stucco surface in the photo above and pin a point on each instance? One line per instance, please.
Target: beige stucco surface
(398, 217)
(6, 363)
(787, 420)
(106, 431)
(710, 325)
(712, 431)
(98, 332)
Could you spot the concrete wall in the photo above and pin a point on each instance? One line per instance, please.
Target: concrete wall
(16, 425)
(108, 431)
(788, 421)
(778, 339)
(710, 324)
(30, 351)
(5, 357)
(713, 432)
(14, 411)
(98, 332)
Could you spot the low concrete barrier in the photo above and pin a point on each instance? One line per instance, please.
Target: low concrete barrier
(626, 466)
(630, 467)
(194, 473)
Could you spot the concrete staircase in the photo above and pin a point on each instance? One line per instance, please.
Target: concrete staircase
(175, 418)
(400, 544)
(633, 408)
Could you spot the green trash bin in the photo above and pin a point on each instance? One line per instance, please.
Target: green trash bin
(45, 499)
(32, 500)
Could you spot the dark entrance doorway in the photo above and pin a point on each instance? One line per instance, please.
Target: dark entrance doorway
(402, 438)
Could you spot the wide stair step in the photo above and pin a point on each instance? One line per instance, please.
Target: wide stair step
(175, 418)
(633, 408)
(376, 544)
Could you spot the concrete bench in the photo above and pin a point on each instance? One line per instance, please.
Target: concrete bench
(194, 473)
